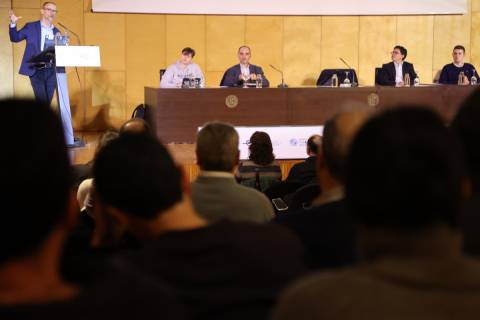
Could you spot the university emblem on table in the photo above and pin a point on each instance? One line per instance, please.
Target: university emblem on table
(373, 99)
(231, 101)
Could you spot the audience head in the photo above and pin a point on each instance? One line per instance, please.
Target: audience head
(313, 145)
(338, 134)
(404, 172)
(136, 175)
(217, 147)
(466, 127)
(458, 54)
(105, 139)
(136, 126)
(399, 53)
(35, 177)
(261, 149)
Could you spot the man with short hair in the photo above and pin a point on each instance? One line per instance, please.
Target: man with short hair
(183, 69)
(39, 213)
(243, 72)
(395, 72)
(327, 230)
(404, 187)
(224, 270)
(39, 36)
(451, 72)
(216, 194)
(304, 172)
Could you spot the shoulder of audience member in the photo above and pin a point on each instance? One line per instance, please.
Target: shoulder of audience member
(277, 239)
(305, 297)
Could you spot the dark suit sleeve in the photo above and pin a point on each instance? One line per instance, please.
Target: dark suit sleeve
(413, 74)
(230, 79)
(265, 82)
(384, 79)
(18, 35)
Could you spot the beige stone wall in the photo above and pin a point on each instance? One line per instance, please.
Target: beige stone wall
(134, 48)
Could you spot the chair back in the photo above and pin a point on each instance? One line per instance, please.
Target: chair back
(325, 78)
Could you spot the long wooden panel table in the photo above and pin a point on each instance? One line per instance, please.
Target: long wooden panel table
(176, 114)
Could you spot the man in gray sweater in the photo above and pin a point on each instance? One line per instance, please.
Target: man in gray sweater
(215, 193)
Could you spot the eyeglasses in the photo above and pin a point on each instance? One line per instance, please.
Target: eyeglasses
(51, 10)
(396, 52)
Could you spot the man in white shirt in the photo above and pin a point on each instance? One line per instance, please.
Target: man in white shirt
(395, 72)
(184, 68)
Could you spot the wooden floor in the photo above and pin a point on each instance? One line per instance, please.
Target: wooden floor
(184, 154)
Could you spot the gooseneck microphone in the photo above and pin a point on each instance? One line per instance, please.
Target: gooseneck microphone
(283, 84)
(70, 30)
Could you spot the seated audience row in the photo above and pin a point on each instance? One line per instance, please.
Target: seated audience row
(405, 183)
(398, 204)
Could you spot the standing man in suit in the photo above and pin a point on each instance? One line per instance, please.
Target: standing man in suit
(244, 71)
(393, 73)
(39, 36)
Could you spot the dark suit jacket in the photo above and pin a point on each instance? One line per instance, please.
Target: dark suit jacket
(328, 233)
(230, 78)
(32, 33)
(303, 172)
(387, 74)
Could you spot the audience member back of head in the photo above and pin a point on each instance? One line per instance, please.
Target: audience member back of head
(466, 125)
(223, 270)
(36, 179)
(327, 230)
(404, 187)
(216, 194)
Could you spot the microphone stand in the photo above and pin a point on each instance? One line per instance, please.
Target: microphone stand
(354, 84)
(283, 84)
(69, 30)
(79, 81)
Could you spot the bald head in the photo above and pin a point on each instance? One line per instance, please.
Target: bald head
(136, 126)
(338, 135)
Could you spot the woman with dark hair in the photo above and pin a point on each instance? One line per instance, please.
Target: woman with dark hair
(261, 170)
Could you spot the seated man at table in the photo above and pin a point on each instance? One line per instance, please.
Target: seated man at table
(394, 73)
(452, 73)
(244, 71)
(184, 68)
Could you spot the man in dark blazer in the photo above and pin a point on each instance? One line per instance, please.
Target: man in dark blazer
(305, 172)
(39, 35)
(244, 71)
(393, 73)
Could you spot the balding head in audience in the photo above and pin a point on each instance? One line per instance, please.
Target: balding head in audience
(136, 126)
(338, 134)
(217, 147)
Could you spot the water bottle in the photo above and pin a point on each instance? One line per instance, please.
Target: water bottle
(461, 75)
(259, 81)
(473, 80)
(335, 80)
(406, 81)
